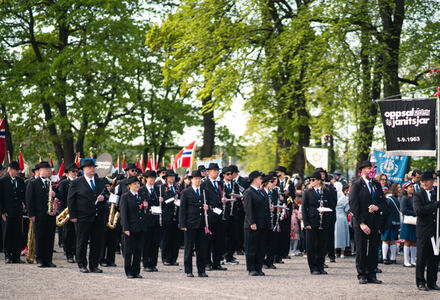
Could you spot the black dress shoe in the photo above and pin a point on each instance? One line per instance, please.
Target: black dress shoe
(138, 276)
(41, 265)
(104, 265)
(374, 280)
(189, 275)
(287, 257)
(219, 268)
(315, 272)
(174, 264)
(18, 261)
(130, 276)
(332, 260)
(70, 260)
(167, 264)
(208, 268)
(279, 261)
(325, 266)
(261, 273)
(378, 270)
(203, 275)
(155, 269)
(96, 270)
(363, 280)
(83, 270)
(111, 265)
(422, 287)
(148, 270)
(8, 261)
(387, 262)
(323, 272)
(253, 273)
(433, 287)
(269, 267)
(51, 265)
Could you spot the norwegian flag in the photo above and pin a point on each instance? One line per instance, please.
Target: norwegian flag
(184, 158)
(21, 161)
(61, 170)
(117, 166)
(51, 164)
(2, 140)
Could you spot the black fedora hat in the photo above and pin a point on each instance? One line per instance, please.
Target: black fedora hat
(14, 165)
(201, 168)
(254, 174)
(365, 164)
(427, 175)
(267, 178)
(234, 168)
(72, 167)
(170, 173)
(315, 175)
(195, 173)
(88, 163)
(36, 167)
(281, 169)
(44, 165)
(130, 166)
(132, 179)
(161, 169)
(150, 173)
(213, 166)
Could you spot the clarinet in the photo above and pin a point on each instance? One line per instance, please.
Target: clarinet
(232, 202)
(224, 204)
(271, 211)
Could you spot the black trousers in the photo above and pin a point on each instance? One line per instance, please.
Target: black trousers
(272, 247)
(109, 246)
(285, 236)
(331, 241)
(230, 238)
(426, 260)
(195, 238)
(69, 239)
(239, 223)
(216, 244)
(367, 247)
(255, 249)
(85, 231)
(44, 229)
(316, 248)
(151, 247)
(12, 237)
(132, 252)
(170, 242)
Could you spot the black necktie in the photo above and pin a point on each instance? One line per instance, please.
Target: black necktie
(432, 195)
(46, 184)
(14, 183)
(198, 193)
(372, 192)
(137, 199)
(318, 193)
(172, 189)
(261, 193)
(215, 186)
(151, 191)
(229, 187)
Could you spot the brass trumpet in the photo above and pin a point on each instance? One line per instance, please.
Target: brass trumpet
(63, 217)
(113, 217)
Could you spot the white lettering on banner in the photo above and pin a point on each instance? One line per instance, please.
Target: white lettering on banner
(407, 117)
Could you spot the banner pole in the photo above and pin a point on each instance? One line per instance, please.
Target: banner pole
(436, 252)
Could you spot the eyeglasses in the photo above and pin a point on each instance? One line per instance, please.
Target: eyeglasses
(228, 174)
(313, 179)
(272, 181)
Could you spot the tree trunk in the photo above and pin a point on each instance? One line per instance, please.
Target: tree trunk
(208, 128)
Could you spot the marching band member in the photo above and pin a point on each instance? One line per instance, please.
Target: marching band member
(367, 203)
(230, 215)
(110, 243)
(12, 204)
(316, 223)
(37, 195)
(269, 182)
(131, 171)
(133, 206)
(216, 200)
(152, 238)
(242, 184)
(256, 224)
(425, 206)
(286, 190)
(192, 220)
(203, 171)
(69, 236)
(170, 246)
(87, 209)
(160, 180)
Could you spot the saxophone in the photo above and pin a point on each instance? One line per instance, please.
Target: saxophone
(113, 217)
(52, 203)
(63, 217)
(30, 256)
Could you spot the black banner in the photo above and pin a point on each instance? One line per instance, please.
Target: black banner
(409, 126)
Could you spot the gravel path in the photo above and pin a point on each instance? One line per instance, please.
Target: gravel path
(290, 281)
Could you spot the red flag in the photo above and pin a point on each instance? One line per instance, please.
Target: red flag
(78, 160)
(21, 161)
(2, 140)
(149, 163)
(61, 170)
(123, 162)
(39, 157)
(185, 157)
(142, 164)
(51, 164)
(157, 162)
(137, 161)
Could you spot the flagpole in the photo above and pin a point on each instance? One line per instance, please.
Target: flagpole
(436, 250)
